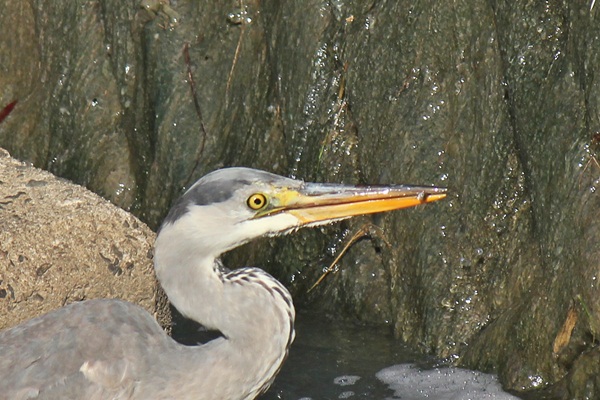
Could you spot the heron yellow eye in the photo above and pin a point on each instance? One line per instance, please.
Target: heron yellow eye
(257, 201)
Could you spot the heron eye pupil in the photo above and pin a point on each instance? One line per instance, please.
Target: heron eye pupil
(257, 201)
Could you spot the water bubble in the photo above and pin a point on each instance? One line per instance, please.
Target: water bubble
(465, 262)
(536, 380)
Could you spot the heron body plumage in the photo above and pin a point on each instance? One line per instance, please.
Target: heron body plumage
(111, 349)
(126, 356)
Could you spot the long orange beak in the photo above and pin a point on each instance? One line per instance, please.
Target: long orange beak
(316, 203)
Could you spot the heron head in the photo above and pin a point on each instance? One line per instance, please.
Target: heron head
(232, 206)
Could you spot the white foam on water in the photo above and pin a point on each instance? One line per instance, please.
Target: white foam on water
(412, 383)
(346, 380)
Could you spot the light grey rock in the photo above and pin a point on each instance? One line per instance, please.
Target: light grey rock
(61, 243)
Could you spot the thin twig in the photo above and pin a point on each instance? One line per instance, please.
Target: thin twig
(186, 55)
(236, 54)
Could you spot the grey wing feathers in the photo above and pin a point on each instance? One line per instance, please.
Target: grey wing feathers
(84, 350)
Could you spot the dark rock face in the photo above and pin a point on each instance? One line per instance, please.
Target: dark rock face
(496, 100)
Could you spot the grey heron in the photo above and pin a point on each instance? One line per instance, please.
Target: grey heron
(111, 349)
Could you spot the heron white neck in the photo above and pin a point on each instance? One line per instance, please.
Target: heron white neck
(252, 310)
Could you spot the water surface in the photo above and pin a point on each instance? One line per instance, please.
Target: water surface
(341, 360)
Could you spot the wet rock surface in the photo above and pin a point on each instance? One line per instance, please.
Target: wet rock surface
(497, 100)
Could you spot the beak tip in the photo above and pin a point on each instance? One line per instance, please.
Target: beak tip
(438, 194)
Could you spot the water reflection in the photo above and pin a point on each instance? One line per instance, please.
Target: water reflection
(341, 360)
(331, 360)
